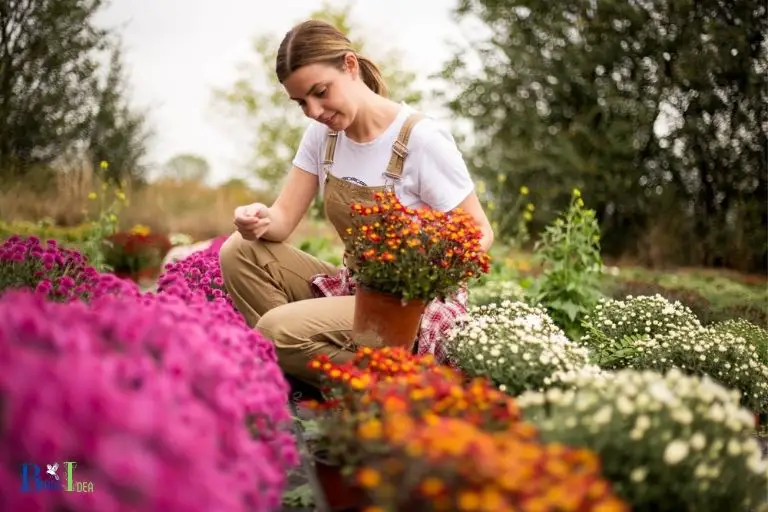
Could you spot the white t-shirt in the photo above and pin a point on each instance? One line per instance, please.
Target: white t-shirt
(434, 173)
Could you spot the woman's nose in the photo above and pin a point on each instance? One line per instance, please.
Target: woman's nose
(313, 110)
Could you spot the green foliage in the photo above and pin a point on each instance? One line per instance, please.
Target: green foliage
(108, 202)
(653, 107)
(569, 251)
(299, 496)
(321, 248)
(277, 124)
(54, 105)
(513, 219)
(44, 229)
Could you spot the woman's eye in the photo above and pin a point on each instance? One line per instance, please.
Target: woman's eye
(321, 94)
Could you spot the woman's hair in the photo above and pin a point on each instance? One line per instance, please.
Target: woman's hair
(313, 42)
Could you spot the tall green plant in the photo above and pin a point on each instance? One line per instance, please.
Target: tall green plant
(96, 240)
(569, 252)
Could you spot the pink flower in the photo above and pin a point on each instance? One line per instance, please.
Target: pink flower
(150, 396)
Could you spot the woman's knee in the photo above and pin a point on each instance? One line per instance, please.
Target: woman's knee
(230, 253)
(238, 254)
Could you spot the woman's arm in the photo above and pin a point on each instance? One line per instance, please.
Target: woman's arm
(471, 205)
(291, 205)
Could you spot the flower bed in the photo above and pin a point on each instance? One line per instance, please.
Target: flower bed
(516, 346)
(651, 333)
(613, 325)
(164, 400)
(420, 436)
(55, 272)
(668, 442)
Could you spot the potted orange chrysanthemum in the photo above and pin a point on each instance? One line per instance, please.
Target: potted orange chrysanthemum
(403, 258)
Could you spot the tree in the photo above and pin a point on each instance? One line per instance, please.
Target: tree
(277, 125)
(187, 167)
(54, 100)
(118, 133)
(656, 109)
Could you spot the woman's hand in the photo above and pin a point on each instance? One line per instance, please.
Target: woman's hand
(252, 220)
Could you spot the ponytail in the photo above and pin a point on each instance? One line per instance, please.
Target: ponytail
(371, 76)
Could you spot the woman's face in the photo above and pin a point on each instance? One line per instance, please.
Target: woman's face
(325, 93)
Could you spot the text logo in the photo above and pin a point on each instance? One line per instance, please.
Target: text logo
(33, 479)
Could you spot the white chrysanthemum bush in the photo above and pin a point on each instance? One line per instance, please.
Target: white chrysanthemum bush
(613, 326)
(730, 359)
(753, 334)
(495, 291)
(517, 346)
(667, 441)
(651, 333)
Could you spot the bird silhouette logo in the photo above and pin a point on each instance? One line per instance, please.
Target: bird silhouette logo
(52, 469)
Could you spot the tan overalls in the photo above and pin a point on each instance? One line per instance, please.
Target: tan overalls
(269, 282)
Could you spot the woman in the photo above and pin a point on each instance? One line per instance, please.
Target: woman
(359, 142)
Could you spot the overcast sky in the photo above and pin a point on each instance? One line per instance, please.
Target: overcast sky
(178, 51)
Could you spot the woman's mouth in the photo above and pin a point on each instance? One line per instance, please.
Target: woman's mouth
(328, 120)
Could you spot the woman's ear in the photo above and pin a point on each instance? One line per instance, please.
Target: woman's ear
(351, 64)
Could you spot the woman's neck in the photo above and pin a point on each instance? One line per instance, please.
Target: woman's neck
(374, 116)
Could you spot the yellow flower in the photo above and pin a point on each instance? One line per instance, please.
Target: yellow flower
(104, 165)
(481, 187)
(527, 216)
(576, 192)
(580, 202)
(140, 230)
(120, 195)
(92, 196)
(530, 207)
(501, 177)
(524, 190)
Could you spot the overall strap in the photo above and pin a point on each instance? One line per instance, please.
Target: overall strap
(330, 148)
(400, 148)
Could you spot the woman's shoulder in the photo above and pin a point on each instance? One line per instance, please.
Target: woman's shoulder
(429, 130)
(430, 134)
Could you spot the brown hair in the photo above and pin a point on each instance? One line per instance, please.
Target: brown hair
(313, 42)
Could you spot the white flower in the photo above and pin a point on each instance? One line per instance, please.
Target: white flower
(638, 474)
(698, 441)
(675, 452)
(733, 447)
(603, 416)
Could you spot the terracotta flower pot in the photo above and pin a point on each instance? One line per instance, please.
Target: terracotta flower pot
(340, 494)
(382, 319)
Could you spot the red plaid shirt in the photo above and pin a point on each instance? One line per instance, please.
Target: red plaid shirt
(437, 320)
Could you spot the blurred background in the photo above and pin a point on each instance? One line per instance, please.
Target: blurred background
(161, 117)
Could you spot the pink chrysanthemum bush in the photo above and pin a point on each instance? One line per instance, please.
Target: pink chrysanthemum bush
(166, 401)
(164, 405)
(200, 271)
(55, 272)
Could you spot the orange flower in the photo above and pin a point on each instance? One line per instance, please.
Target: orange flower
(368, 477)
(423, 244)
